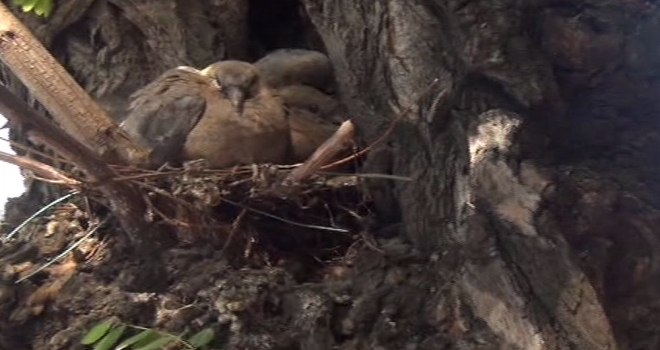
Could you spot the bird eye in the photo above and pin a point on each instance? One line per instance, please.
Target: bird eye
(314, 108)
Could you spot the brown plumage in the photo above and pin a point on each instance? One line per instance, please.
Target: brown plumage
(286, 67)
(313, 118)
(223, 114)
(162, 114)
(243, 125)
(300, 78)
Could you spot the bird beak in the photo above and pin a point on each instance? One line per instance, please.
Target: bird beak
(237, 98)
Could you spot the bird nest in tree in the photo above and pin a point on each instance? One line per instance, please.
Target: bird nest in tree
(254, 204)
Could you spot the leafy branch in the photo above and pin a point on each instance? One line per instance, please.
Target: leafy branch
(39, 7)
(106, 335)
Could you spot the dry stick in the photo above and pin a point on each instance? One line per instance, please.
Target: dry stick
(48, 172)
(155, 174)
(172, 222)
(368, 175)
(67, 102)
(60, 256)
(125, 202)
(75, 111)
(243, 207)
(32, 150)
(294, 223)
(234, 228)
(167, 219)
(38, 127)
(335, 144)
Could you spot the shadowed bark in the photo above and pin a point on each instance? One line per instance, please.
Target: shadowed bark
(529, 132)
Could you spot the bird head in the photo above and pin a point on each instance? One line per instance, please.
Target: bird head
(238, 81)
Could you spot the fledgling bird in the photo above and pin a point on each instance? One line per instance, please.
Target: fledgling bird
(286, 67)
(313, 118)
(244, 123)
(301, 78)
(223, 114)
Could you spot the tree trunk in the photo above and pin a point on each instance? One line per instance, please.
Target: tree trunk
(527, 129)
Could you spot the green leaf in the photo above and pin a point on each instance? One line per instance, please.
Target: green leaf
(44, 8)
(136, 338)
(109, 340)
(28, 5)
(147, 339)
(97, 332)
(201, 338)
(19, 2)
(158, 344)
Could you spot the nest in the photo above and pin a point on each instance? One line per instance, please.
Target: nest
(250, 212)
(251, 205)
(280, 208)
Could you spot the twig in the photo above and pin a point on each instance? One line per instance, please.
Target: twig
(64, 253)
(330, 148)
(316, 227)
(39, 212)
(124, 201)
(368, 175)
(60, 94)
(162, 215)
(164, 193)
(54, 175)
(32, 150)
(234, 228)
(151, 174)
(178, 200)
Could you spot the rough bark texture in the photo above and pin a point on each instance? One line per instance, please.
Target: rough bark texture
(529, 223)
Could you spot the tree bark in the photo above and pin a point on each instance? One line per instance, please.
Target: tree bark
(528, 129)
(527, 290)
(70, 105)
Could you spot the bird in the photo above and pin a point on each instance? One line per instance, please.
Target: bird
(285, 67)
(162, 113)
(223, 114)
(303, 79)
(244, 124)
(313, 118)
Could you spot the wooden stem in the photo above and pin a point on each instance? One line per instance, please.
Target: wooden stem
(325, 153)
(65, 100)
(125, 202)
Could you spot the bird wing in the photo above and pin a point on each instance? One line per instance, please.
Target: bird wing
(161, 116)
